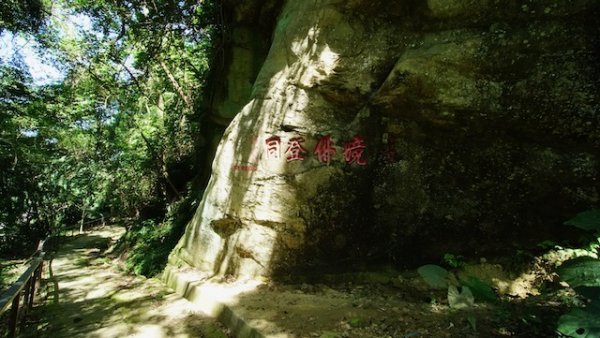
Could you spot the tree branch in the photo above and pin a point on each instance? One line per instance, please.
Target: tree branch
(135, 80)
(163, 167)
(178, 88)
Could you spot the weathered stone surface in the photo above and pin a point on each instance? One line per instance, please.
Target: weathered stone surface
(480, 120)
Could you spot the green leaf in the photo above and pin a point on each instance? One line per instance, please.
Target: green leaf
(435, 276)
(472, 322)
(589, 292)
(357, 322)
(462, 299)
(580, 271)
(480, 289)
(580, 323)
(587, 220)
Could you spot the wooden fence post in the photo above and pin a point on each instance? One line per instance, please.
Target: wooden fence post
(14, 316)
(25, 287)
(33, 280)
(26, 293)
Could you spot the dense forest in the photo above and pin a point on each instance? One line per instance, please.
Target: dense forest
(433, 162)
(119, 135)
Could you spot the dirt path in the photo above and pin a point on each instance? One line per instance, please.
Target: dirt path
(89, 296)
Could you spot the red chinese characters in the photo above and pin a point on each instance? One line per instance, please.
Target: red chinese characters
(325, 149)
(353, 151)
(273, 145)
(295, 149)
(324, 152)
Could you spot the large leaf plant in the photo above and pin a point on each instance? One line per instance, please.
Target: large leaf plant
(583, 275)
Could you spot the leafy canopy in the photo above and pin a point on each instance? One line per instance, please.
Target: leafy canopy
(119, 135)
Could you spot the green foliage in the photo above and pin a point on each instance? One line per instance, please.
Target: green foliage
(471, 288)
(472, 322)
(581, 271)
(584, 323)
(587, 220)
(481, 290)
(460, 299)
(22, 15)
(118, 137)
(23, 150)
(589, 292)
(453, 261)
(435, 276)
(147, 254)
(150, 243)
(547, 244)
(2, 278)
(357, 322)
(583, 275)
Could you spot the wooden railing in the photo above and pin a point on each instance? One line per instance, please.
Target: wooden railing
(20, 296)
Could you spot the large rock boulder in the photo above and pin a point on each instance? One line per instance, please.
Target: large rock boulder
(382, 131)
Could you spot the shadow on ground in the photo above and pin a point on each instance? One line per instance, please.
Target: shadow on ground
(89, 296)
(380, 304)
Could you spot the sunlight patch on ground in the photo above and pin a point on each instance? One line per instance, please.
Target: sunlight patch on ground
(149, 331)
(521, 285)
(98, 301)
(208, 296)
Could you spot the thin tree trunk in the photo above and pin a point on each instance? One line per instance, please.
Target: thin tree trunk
(162, 165)
(180, 91)
(82, 218)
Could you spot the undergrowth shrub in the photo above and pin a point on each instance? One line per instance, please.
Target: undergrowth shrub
(147, 245)
(2, 278)
(583, 275)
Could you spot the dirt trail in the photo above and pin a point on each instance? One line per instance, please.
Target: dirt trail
(88, 296)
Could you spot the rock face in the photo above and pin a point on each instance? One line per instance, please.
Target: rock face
(381, 131)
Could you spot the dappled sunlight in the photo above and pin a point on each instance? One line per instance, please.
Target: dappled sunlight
(522, 286)
(149, 330)
(310, 310)
(208, 295)
(237, 225)
(224, 301)
(249, 209)
(314, 69)
(222, 292)
(358, 137)
(96, 300)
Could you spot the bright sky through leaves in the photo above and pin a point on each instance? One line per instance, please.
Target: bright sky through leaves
(42, 71)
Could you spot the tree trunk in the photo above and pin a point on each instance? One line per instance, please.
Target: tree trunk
(82, 219)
